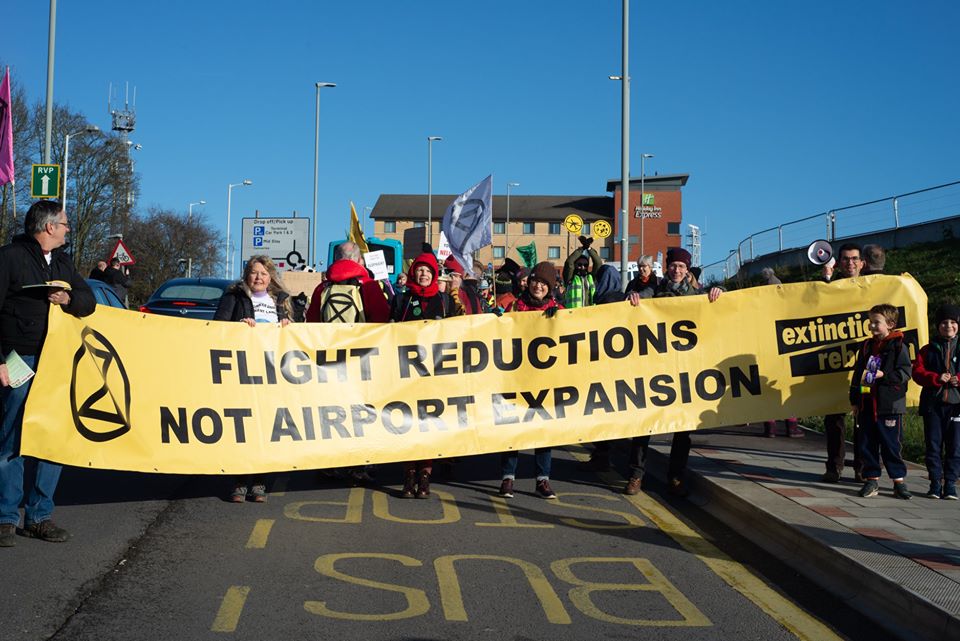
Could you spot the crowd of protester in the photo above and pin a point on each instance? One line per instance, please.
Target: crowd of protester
(429, 291)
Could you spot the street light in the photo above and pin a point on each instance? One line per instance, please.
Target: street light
(506, 229)
(643, 214)
(189, 222)
(365, 216)
(624, 79)
(316, 172)
(430, 140)
(226, 262)
(89, 129)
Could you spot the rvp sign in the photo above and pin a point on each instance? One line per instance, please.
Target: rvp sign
(45, 181)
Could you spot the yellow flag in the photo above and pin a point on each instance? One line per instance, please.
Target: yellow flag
(356, 231)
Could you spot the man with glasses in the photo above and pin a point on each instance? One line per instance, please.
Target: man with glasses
(850, 263)
(33, 258)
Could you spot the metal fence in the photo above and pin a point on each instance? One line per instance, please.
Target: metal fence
(925, 205)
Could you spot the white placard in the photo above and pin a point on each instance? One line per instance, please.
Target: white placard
(377, 263)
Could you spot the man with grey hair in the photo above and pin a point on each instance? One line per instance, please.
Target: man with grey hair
(35, 273)
(874, 260)
(348, 294)
(347, 251)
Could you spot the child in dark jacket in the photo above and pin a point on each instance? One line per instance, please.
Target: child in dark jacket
(878, 396)
(935, 370)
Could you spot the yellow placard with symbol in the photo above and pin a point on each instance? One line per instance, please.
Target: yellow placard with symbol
(602, 229)
(573, 223)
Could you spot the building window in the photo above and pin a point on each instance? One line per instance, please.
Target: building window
(390, 227)
(529, 228)
(553, 253)
(606, 253)
(498, 251)
(499, 228)
(585, 230)
(554, 228)
(673, 229)
(418, 223)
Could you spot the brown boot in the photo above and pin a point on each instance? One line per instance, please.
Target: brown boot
(410, 484)
(633, 486)
(423, 485)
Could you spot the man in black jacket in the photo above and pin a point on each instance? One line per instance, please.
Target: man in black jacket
(33, 258)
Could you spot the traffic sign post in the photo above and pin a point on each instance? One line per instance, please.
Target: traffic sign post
(45, 181)
(284, 240)
(121, 253)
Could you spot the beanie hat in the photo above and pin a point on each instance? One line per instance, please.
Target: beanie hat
(546, 272)
(948, 312)
(452, 265)
(678, 255)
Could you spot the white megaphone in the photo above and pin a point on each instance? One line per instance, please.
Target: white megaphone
(820, 252)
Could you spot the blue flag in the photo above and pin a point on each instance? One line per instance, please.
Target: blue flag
(467, 222)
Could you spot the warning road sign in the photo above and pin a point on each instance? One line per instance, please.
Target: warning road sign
(121, 252)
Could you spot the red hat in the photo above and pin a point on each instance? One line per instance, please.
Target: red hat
(452, 265)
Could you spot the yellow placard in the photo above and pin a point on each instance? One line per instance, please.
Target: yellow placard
(130, 391)
(573, 223)
(602, 229)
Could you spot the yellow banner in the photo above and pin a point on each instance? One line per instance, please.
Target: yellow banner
(129, 391)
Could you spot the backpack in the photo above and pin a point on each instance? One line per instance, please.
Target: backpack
(342, 303)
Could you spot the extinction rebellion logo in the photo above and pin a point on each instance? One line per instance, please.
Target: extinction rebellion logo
(100, 405)
(831, 343)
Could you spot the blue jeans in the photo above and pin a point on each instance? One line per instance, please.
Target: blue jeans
(542, 458)
(39, 504)
(941, 435)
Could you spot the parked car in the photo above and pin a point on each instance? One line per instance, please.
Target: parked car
(105, 294)
(187, 297)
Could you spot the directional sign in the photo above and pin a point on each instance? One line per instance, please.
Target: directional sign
(602, 229)
(573, 223)
(284, 240)
(121, 252)
(45, 181)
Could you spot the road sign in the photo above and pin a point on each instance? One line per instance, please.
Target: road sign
(284, 240)
(45, 181)
(120, 251)
(573, 223)
(602, 229)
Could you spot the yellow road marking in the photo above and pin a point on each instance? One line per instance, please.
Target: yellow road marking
(776, 606)
(258, 537)
(230, 609)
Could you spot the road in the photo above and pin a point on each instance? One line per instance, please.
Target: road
(166, 557)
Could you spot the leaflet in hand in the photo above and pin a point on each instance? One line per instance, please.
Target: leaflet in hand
(18, 370)
(55, 284)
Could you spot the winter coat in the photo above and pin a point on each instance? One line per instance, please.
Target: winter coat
(237, 304)
(888, 394)
(929, 364)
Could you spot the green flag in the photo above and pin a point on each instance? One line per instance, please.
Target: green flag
(528, 254)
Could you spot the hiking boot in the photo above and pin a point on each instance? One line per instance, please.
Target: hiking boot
(258, 493)
(410, 484)
(633, 486)
(794, 430)
(870, 488)
(934, 491)
(423, 485)
(544, 490)
(831, 476)
(239, 494)
(677, 487)
(901, 492)
(46, 531)
(8, 535)
(770, 429)
(506, 488)
(949, 492)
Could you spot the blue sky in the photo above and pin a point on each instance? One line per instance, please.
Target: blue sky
(776, 110)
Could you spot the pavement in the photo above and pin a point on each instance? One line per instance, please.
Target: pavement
(895, 561)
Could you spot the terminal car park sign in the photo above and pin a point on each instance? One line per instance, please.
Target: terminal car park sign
(284, 240)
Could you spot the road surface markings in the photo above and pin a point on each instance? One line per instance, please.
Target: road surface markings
(230, 609)
(260, 533)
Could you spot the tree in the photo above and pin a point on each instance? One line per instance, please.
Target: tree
(162, 242)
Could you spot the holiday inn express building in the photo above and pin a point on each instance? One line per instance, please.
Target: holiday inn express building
(539, 220)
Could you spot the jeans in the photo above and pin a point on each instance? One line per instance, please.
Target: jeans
(543, 457)
(941, 436)
(881, 438)
(679, 454)
(39, 504)
(639, 447)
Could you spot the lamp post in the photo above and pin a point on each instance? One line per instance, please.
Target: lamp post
(643, 214)
(430, 140)
(226, 261)
(624, 79)
(316, 173)
(89, 129)
(189, 223)
(366, 214)
(506, 229)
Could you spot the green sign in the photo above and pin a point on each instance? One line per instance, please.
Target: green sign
(647, 199)
(45, 181)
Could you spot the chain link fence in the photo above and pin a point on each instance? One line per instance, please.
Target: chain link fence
(925, 205)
